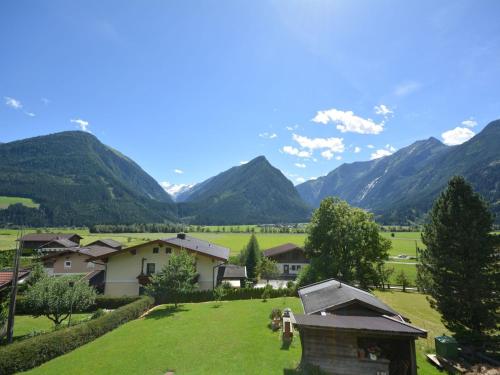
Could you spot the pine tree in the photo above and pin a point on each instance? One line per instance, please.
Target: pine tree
(461, 261)
(252, 257)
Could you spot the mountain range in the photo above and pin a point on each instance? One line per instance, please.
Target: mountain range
(400, 188)
(77, 180)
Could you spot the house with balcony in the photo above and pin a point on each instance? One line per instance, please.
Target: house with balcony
(289, 257)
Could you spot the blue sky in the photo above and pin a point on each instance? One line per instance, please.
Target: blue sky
(190, 88)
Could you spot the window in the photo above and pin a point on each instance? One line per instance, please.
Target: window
(150, 268)
(298, 268)
(67, 264)
(293, 267)
(155, 250)
(168, 250)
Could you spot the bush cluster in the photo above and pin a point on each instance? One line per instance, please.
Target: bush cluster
(101, 302)
(29, 353)
(229, 295)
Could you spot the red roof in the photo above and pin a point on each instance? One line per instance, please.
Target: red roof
(6, 277)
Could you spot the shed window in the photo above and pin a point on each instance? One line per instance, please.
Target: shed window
(150, 268)
(293, 267)
(155, 250)
(67, 264)
(168, 250)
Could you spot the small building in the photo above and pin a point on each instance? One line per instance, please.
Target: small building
(348, 331)
(232, 274)
(34, 241)
(129, 269)
(290, 258)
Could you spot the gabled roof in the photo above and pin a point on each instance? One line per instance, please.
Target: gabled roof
(285, 248)
(200, 246)
(381, 324)
(107, 242)
(232, 271)
(189, 243)
(90, 251)
(64, 242)
(46, 237)
(331, 294)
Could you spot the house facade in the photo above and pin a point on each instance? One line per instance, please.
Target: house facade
(289, 257)
(348, 331)
(128, 270)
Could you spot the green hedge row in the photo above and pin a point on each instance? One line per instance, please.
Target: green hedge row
(29, 353)
(101, 302)
(230, 295)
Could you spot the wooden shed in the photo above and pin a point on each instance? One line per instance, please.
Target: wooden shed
(348, 331)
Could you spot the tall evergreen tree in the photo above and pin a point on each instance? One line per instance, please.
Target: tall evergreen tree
(252, 257)
(461, 261)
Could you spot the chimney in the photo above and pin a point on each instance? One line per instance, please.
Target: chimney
(181, 236)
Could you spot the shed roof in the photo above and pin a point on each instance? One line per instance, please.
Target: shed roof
(331, 294)
(285, 248)
(232, 271)
(109, 242)
(6, 277)
(377, 324)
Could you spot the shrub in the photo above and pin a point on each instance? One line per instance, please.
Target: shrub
(29, 353)
(267, 292)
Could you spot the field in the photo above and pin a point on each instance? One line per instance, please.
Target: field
(204, 339)
(7, 201)
(26, 324)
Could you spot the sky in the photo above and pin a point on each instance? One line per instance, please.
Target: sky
(188, 89)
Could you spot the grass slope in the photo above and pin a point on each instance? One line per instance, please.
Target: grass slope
(230, 339)
(7, 201)
(26, 324)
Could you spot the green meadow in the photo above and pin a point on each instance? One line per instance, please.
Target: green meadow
(7, 201)
(240, 340)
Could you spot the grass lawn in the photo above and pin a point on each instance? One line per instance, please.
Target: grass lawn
(25, 324)
(196, 339)
(201, 339)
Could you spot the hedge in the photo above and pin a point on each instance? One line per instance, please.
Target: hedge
(29, 353)
(230, 295)
(101, 302)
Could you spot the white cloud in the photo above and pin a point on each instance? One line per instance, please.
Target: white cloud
(300, 165)
(357, 150)
(406, 88)
(30, 114)
(178, 171)
(457, 136)
(390, 148)
(380, 154)
(12, 103)
(469, 123)
(300, 180)
(370, 146)
(347, 121)
(291, 128)
(383, 110)
(338, 157)
(327, 154)
(174, 189)
(333, 144)
(296, 152)
(82, 124)
(243, 162)
(267, 135)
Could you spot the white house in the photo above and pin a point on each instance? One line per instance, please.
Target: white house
(127, 270)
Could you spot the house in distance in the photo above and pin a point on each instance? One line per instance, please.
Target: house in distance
(346, 331)
(289, 257)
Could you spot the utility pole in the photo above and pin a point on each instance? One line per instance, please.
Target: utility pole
(13, 295)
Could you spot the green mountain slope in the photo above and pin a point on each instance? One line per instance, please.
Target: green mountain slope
(400, 188)
(255, 192)
(78, 180)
